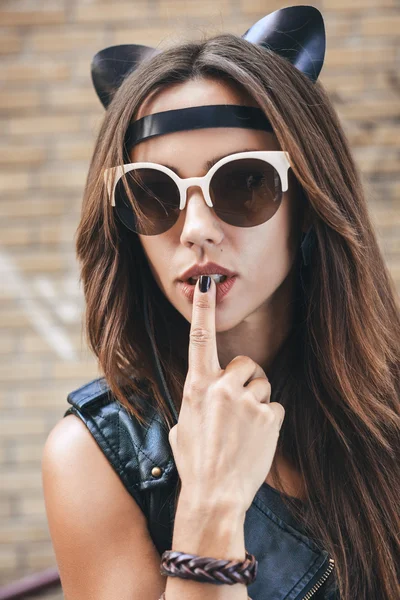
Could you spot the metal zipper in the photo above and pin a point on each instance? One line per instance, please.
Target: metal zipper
(324, 577)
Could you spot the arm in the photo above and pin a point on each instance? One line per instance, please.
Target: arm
(100, 537)
(210, 529)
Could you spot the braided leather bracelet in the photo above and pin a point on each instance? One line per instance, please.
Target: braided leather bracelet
(162, 597)
(208, 570)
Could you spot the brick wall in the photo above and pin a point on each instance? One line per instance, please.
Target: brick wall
(49, 116)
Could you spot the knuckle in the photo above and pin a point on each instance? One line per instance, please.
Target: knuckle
(201, 303)
(194, 387)
(269, 414)
(242, 358)
(200, 336)
(222, 390)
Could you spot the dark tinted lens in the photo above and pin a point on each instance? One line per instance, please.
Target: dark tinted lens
(155, 199)
(246, 192)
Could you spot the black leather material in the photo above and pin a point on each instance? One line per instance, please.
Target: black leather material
(196, 117)
(297, 33)
(290, 563)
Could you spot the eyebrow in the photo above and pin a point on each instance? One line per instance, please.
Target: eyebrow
(210, 163)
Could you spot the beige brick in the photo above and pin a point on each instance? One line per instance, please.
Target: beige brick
(15, 236)
(384, 25)
(39, 262)
(20, 427)
(31, 17)
(7, 345)
(356, 5)
(21, 480)
(18, 530)
(40, 556)
(32, 505)
(86, 370)
(69, 40)
(44, 71)
(10, 43)
(33, 344)
(388, 218)
(55, 398)
(22, 155)
(44, 124)
(6, 507)
(74, 150)
(57, 233)
(20, 371)
(14, 318)
(180, 9)
(8, 558)
(338, 84)
(31, 208)
(338, 27)
(110, 13)
(161, 37)
(394, 270)
(13, 102)
(10, 182)
(346, 85)
(65, 177)
(4, 453)
(72, 99)
(385, 135)
(359, 56)
(93, 123)
(259, 8)
(29, 453)
(370, 108)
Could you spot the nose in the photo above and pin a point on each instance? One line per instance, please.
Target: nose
(200, 223)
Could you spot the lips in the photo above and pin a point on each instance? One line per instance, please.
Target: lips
(222, 289)
(206, 269)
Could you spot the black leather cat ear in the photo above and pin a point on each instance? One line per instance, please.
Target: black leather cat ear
(297, 33)
(111, 65)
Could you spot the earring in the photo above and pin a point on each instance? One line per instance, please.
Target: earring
(308, 242)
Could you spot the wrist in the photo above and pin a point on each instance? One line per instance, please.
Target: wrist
(209, 529)
(210, 504)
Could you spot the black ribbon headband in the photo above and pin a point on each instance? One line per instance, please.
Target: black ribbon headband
(196, 117)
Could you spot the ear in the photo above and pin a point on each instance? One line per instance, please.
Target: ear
(296, 33)
(111, 65)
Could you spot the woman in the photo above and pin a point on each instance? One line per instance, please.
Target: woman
(299, 324)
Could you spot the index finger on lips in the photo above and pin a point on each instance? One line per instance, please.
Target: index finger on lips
(203, 354)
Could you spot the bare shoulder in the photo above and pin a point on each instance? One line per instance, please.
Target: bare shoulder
(99, 534)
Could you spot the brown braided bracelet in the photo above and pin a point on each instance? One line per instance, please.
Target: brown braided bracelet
(162, 597)
(209, 570)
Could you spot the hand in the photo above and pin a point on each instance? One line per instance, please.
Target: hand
(225, 440)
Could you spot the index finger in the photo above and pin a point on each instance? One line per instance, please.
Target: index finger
(203, 354)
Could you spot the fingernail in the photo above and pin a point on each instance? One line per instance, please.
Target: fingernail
(205, 282)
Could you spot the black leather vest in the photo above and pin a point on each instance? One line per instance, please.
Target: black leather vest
(290, 564)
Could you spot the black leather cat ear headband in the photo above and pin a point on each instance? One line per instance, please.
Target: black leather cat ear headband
(296, 33)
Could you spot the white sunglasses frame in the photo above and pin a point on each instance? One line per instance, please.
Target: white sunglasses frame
(279, 159)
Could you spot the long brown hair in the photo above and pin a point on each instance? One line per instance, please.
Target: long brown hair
(338, 372)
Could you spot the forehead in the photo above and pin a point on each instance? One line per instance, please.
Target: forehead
(200, 144)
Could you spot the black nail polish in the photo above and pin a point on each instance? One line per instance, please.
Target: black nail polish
(205, 282)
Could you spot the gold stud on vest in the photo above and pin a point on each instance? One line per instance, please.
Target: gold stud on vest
(156, 472)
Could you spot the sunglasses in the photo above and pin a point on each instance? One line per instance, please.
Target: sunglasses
(244, 189)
